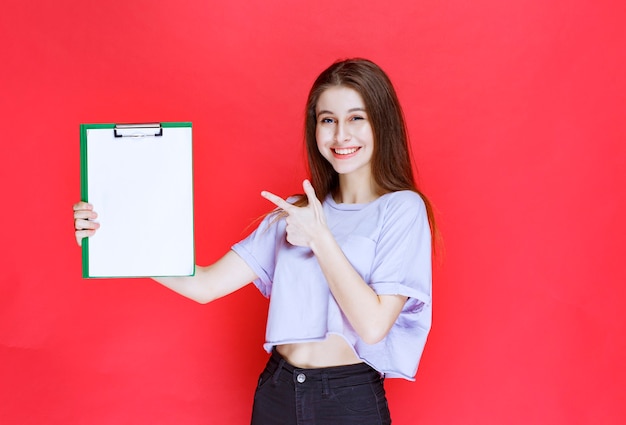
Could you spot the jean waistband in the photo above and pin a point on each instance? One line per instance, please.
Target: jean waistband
(354, 373)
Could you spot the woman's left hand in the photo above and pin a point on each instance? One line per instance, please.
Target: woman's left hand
(304, 224)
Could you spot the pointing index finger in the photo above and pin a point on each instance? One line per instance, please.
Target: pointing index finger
(276, 200)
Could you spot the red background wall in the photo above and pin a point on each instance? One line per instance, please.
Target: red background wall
(517, 117)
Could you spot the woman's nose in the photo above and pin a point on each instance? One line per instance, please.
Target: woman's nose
(342, 133)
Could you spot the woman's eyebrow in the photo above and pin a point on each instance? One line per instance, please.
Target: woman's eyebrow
(358, 109)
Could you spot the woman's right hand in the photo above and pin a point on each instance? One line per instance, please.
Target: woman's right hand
(84, 226)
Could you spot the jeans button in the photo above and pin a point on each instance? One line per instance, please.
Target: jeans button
(301, 377)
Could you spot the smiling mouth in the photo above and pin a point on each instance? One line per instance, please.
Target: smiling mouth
(345, 151)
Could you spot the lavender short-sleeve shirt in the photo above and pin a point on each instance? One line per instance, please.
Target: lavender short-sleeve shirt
(387, 241)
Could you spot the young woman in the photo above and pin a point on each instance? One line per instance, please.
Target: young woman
(347, 265)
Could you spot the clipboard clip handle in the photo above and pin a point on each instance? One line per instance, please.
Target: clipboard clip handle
(138, 130)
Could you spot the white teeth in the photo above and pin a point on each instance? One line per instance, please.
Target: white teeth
(345, 151)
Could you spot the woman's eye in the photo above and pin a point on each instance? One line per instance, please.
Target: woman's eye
(327, 120)
(357, 117)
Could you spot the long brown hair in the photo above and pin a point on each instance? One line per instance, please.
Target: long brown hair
(391, 164)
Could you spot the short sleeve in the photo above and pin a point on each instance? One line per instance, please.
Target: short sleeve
(402, 262)
(260, 248)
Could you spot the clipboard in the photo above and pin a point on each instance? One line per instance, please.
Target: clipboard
(139, 177)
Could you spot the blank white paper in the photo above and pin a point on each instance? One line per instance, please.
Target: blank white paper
(142, 190)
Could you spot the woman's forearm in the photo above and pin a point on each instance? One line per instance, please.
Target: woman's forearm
(371, 315)
(209, 283)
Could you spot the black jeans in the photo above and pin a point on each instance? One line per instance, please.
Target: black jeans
(340, 395)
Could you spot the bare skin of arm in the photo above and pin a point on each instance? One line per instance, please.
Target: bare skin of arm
(226, 275)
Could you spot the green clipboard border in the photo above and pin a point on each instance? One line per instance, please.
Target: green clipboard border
(84, 185)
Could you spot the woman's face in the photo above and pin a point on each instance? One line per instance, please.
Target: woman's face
(343, 132)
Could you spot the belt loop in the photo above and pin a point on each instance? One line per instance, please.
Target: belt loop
(325, 388)
(277, 372)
